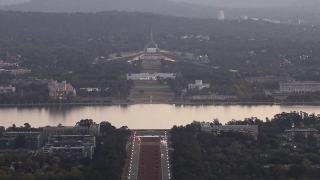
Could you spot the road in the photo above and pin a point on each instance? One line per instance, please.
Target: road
(165, 165)
(138, 136)
(134, 162)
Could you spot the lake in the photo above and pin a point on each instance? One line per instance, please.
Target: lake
(142, 116)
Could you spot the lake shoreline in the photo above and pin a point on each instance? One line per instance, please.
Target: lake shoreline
(169, 103)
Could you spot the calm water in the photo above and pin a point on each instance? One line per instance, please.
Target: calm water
(139, 116)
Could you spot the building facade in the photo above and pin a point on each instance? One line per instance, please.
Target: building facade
(198, 85)
(7, 89)
(150, 76)
(291, 133)
(299, 87)
(70, 146)
(8, 143)
(29, 80)
(221, 15)
(60, 90)
(24, 140)
(263, 79)
(249, 129)
(94, 129)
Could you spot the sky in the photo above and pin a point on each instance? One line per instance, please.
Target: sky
(218, 3)
(6, 2)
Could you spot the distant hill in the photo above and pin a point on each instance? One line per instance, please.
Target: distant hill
(155, 6)
(241, 3)
(167, 7)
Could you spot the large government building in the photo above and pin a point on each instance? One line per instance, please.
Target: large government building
(299, 87)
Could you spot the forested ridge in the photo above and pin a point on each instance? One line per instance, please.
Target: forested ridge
(76, 38)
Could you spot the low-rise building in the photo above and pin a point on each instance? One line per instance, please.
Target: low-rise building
(94, 129)
(60, 90)
(8, 143)
(263, 79)
(198, 85)
(15, 71)
(29, 80)
(299, 87)
(70, 146)
(217, 129)
(150, 76)
(24, 140)
(291, 133)
(7, 89)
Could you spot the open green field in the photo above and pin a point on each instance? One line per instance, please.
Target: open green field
(151, 66)
(159, 92)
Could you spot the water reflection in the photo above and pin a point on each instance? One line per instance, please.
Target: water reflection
(139, 116)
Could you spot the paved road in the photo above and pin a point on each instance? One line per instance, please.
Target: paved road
(166, 174)
(134, 162)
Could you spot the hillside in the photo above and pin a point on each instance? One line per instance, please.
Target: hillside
(284, 11)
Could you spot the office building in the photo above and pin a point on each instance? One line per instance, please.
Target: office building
(198, 85)
(60, 90)
(8, 143)
(72, 139)
(23, 140)
(94, 129)
(299, 87)
(221, 15)
(249, 129)
(291, 133)
(7, 89)
(74, 146)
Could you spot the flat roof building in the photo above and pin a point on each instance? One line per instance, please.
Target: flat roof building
(299, 87)
(24, 140)
(198, 85)
(94, 129)
(249, 129)
(8, 143)
(291, 133)
(70, 146)
(7, 89)
(263, 79)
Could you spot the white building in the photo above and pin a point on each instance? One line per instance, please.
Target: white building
(250, 129)
(150, 76)
(7, 89)
(221, 15)
(198, 85)
(245, 17)
(152, 50)
(60, 90)
(299, 87)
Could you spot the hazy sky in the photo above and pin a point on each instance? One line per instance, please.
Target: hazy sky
(6, 2)
(221, 3)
